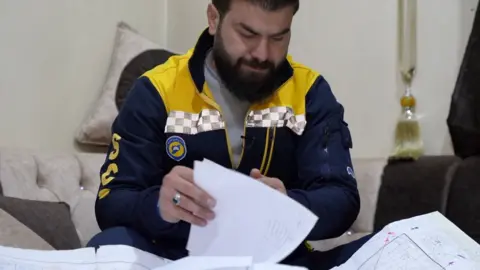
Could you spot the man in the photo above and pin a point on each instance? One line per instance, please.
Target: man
(236, 99)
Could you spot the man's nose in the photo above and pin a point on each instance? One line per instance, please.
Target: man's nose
(261, 51)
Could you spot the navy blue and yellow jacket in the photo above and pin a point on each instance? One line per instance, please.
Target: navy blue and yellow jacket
(170, 118)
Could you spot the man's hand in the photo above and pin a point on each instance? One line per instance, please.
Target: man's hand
(269, 181)
(193, 204)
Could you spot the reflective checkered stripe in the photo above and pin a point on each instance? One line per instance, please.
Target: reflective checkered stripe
(193, 123)
(277, 117)
(209, 120)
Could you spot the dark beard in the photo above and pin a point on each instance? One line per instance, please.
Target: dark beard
(246, 87)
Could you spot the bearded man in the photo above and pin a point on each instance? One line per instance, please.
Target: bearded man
(238, 99)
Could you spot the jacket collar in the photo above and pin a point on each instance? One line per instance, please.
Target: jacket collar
(200, 51)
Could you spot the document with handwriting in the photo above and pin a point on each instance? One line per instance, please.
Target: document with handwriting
(252, 219)
(425, 242)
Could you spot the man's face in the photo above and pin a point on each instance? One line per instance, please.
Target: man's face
(250, 45)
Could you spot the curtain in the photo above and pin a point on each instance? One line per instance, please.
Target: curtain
(464, 116)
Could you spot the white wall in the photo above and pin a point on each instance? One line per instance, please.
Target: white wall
(54, 55)
(353, 43)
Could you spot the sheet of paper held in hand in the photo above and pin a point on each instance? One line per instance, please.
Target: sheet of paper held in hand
(252, 219)
(426, 242)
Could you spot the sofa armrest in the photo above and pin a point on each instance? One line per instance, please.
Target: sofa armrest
(40, 175)
(463, 197)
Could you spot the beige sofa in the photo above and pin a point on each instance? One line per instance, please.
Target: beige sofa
(73, 179)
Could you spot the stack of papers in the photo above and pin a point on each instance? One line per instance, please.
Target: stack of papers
(224, 263)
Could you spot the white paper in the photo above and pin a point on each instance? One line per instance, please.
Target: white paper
(426, 242)
(105, 258)
(252, 219)
(224, 263)
(209, 263)
(120, 258)
(127, 258)
(268, 266)
(25, 259)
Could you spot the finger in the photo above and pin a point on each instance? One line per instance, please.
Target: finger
(191, 190)
(186, 216)
(197, 210)
(176, 212)
(180, 179)
(184, 172)
(272, 182)
(165, 205)
(255, 173)
(191, 206)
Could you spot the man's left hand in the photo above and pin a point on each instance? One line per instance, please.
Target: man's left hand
(274, 183)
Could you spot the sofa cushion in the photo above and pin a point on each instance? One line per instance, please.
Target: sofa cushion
(412, 188)
(15, 234)
(49, 220)
(368, 172)
(140, 64)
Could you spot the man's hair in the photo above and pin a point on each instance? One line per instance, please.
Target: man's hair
(223, 6)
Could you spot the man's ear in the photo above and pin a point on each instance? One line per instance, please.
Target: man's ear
(213, 17)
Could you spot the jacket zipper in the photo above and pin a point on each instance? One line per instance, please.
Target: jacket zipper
(212, 103)
(243, 139)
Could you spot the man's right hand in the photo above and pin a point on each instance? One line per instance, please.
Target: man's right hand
(195, 205)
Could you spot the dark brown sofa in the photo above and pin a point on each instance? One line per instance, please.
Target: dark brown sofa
(446, 184)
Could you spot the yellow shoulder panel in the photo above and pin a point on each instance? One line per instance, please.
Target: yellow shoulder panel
(175, 85)
(293, 92)
(303, 76)
(178, 91)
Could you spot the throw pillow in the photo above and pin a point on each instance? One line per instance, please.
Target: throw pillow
(49, 220)
(135, 68)
(95, 129)
(15, 234)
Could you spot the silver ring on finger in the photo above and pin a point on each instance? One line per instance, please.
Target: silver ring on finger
(176, 199)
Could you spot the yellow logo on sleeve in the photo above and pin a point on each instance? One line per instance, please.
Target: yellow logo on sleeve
(176, 148)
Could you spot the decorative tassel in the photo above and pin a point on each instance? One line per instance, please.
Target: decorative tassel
(408, 139)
